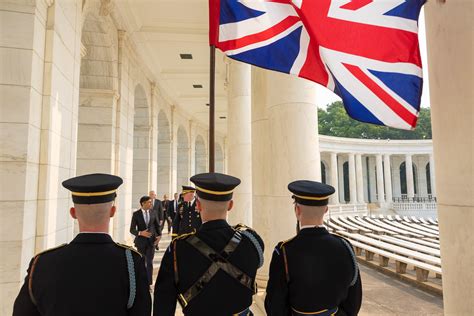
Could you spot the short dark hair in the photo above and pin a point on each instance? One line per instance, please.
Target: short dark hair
(143, 199)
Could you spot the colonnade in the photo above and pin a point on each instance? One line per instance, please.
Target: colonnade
(353, 173)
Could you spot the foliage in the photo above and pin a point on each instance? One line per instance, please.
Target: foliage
(334, 121)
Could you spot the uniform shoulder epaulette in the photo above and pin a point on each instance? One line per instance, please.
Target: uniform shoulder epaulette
(128, 247)
(241, 226)
(50, 249)
(183, 236)
(284, 242)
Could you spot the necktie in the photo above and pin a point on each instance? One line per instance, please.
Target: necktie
(147, 217)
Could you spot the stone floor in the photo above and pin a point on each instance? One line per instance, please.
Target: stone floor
(383, 295)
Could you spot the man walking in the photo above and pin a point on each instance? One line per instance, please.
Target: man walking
(157, 207)
(315, 272)
(166, 211)
(146, 229)
(92, 275)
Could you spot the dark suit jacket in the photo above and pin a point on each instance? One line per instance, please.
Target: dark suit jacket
(171, 208)
(223, 295)
(138, 224)
(158, 209)
(89, 276)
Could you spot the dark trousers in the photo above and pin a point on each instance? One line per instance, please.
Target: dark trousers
(169, 222)
(148, 252)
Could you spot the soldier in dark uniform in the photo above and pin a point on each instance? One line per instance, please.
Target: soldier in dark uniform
(186, 219)
(315, 272)
(212, 271)
(92, 275)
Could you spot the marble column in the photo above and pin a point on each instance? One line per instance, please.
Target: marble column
(432, 176)
(388, 178)
(359, 179)
(352, 179)
(285, 147)
(39, 89)
(409, 176)
(380, 185)
(340, 175)
(174, 151)
(153, 165)
(451, 62)
(396, 187)
(192, 149)
(239, 140)
(373, 180)
(334, 179)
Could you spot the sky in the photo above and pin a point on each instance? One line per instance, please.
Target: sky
(326, 96)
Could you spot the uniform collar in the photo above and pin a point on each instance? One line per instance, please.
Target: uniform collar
(92, 238)
(215, 224)
(318, 230)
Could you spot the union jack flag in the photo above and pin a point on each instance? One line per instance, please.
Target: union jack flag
(366, 51)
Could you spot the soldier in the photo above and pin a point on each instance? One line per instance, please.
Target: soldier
(212, 271)
(92, 275)
(314, 272)
(186, 219)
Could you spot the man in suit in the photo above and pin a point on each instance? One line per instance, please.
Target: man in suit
(315, 272)
(168, 219)
(145, 226)
(212, 271)
(92, 275)
(157, 207)
(187, 219)
(173, 206)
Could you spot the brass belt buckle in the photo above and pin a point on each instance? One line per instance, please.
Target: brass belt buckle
(182, 301)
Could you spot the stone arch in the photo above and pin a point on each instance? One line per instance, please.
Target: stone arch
(141, 145)
(219, 156)
(164, 155)
(428, 179)
(97, 96)
(403, 178)
(200, 155)
(99, 67)
(182, 177)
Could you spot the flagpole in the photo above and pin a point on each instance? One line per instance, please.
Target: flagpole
(212, 83)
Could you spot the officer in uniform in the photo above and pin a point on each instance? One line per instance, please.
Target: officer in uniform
(186, 219)
(315, 272)
(212, 271)
(92, 275)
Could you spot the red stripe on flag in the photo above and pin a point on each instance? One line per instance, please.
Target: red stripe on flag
(259, 37)
(214, 15)
(356, 4)
(393, 104)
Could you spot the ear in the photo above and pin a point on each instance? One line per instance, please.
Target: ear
(297, 210)
(326, 210)
(230, 205)
(113, 209)
(198, 205)
(72, 211)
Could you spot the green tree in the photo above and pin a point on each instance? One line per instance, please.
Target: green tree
(334, 121)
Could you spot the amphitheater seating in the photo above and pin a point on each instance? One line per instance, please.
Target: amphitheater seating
(407, 241)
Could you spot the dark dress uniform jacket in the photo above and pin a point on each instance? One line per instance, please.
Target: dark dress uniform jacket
(223, 295)
(186, 219)
(89, 276)
(321, 270)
